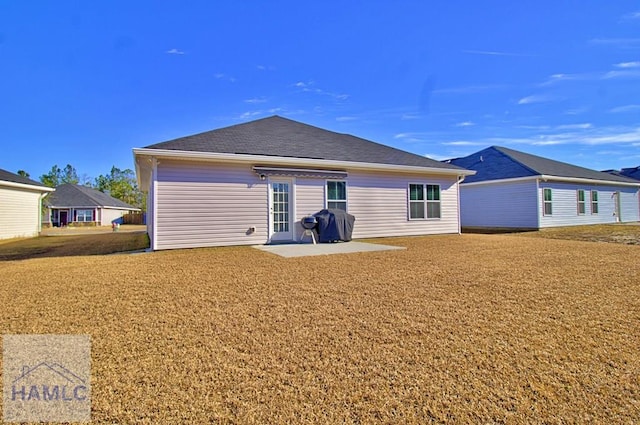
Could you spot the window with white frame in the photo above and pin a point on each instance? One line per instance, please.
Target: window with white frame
(84, 215)
(424, 201)
(337, 195)
(581, 202)
(594, 202)
(548, 199)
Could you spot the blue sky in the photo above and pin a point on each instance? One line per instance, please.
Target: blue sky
(85, 82)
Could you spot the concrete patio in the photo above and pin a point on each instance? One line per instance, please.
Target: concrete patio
(304, 250)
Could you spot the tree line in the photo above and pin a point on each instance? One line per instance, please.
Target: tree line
(121, 184)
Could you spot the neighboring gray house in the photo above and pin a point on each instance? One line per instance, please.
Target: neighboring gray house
(632, 173)
(83, 206)
(20, 205)
(252, 183)
(513, 189)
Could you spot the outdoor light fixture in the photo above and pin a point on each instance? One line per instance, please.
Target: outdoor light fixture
(263, 177)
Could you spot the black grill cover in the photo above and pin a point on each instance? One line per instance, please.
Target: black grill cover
(334, 225)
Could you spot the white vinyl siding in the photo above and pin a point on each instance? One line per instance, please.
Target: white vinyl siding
(109, 215)
(379, 203)
(499, 205)
(564, 204)
(209, 204)
(19, 212)
(214, 204)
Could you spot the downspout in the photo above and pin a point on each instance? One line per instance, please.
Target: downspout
(460, 180)
(539, 206)
(154, 177)
(40, 211)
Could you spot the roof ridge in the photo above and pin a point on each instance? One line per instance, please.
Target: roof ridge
(88, 194)
(499, 149)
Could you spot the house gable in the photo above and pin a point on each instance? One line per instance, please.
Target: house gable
(500, 163)
(74, 196)
(284, 138)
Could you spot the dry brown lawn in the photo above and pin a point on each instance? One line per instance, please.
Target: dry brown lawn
(72, 245)
(454, 329)
(616, 233)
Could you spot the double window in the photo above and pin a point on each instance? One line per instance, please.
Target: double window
(581, 202)
(337, 195)
(594, 202)
(424, 201)
(84, 215)
(547, 200)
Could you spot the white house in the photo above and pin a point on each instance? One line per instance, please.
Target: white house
(513, 189)
(20, 205)
(252, 183)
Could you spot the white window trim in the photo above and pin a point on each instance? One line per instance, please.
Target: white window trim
(84, 216)
(583, 202)
(596, 202)
(544, 202)
(425, 201)
(346, 193)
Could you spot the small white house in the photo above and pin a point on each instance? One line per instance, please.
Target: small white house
(252, 183)
(513, 189)
(74, 204)
(20, 205)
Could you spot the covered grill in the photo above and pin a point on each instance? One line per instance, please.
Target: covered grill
(334, 225)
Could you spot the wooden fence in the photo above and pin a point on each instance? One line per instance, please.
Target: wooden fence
(133, 218)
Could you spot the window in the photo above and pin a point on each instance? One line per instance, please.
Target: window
(337, 195)
(84, 215)
(594, 202)
(581, 202)
(424, 201)
(548, 210)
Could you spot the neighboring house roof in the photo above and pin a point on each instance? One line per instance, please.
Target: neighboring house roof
(498, 163)
(10, 177)
(281, 137)
(74, 196)
(633, 173)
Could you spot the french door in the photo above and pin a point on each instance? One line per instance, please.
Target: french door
(280, 200)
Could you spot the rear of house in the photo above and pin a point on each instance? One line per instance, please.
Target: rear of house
(278, 171)
(517, 190)
(20, 205)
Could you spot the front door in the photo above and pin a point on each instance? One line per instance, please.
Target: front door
(281, 228)
(64, 219)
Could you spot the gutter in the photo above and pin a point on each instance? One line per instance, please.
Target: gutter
(42, 196)
(546, 178)
(461, 178)
(278, 160)
(26, 186)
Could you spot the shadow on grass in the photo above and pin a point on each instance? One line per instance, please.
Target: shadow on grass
(496, 230)
(77, 245)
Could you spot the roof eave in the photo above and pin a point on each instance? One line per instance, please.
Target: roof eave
(279, 160)
(26, 186)
(555, 178)
(588, 181)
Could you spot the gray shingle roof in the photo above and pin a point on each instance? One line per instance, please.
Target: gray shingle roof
(282, 137)
(73, 195)
(633, 173)
(496, 163)
(16, 178)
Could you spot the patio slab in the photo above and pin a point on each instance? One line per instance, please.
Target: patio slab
(304, 250)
